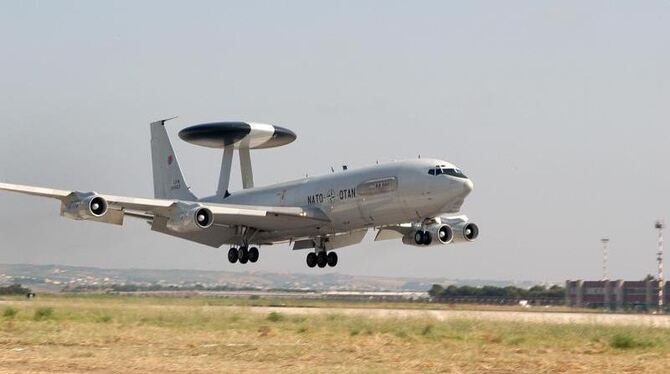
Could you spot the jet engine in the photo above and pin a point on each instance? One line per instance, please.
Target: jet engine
(465, 232)
(189, 218)
(432, 235)
(84, 206)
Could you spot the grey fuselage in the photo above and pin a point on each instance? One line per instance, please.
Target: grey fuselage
(379, 195)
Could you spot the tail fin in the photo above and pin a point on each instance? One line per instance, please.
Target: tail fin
(169, 182)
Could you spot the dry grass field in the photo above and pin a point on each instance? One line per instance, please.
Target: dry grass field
(126, 334)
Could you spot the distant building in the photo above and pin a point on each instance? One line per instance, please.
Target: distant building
(615, 294)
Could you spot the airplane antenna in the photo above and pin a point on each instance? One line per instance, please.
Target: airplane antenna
(660, 225)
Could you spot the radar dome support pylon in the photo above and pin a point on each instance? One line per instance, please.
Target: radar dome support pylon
(224, 176)
(243, 136)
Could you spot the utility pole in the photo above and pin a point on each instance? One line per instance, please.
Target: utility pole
(660, 225)
(605, 241)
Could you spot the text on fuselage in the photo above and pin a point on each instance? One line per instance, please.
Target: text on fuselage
(320, 198)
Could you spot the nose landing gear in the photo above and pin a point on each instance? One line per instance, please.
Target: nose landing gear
(423, 238)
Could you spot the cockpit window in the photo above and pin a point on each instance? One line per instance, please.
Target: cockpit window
(452, 172)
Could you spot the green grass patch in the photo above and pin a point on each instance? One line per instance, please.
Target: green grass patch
(10, 312)
(275, 317)
(43, 313)
(427, 330)
(627, 341)
(103, 318)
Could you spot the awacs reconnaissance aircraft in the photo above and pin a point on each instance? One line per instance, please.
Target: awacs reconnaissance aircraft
(416, 201)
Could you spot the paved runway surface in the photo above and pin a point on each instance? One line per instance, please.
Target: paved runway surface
(445, 315)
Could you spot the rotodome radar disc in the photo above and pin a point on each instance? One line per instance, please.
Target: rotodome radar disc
(239, 134)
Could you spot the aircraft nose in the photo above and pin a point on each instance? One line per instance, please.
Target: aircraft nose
(467, 186)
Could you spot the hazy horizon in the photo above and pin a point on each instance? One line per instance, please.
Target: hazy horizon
(557, 112)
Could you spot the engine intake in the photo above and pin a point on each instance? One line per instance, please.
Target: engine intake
(467, 232)
(204, 218)
(432, 235)
(189, 218)
(98, 206)
(444, 234)
(84, 206)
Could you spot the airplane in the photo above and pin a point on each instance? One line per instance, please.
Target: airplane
(416, 201)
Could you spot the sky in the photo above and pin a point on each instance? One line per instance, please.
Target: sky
(558, 111)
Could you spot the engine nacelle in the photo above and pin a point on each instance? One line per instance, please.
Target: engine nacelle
(189, 218)
(84, 206)
(465, 232)
(442, 233)
(433, 235)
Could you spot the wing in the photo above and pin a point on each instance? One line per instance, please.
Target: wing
(265, 218)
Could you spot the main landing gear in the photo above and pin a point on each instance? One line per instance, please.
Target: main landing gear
(321, 259)
(243, 255)
(423, 238)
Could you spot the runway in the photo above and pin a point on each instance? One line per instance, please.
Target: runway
(609, 319)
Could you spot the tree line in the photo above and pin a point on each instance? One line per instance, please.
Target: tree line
(509, 292)
(14, 289)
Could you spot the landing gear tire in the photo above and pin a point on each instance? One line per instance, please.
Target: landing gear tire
(418, 237)
(253, 254)
(322, 259)
(332, 259)
(427, 238)
(311, 259)
(232, 255)
(243, 255)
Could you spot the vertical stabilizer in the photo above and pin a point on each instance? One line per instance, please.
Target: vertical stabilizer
(169, 182)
